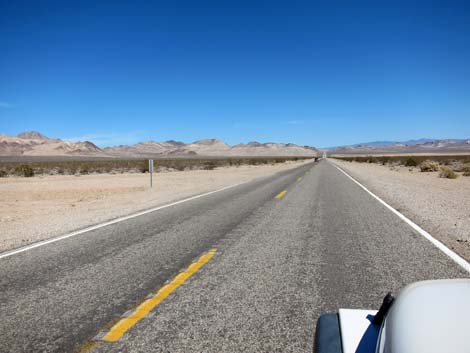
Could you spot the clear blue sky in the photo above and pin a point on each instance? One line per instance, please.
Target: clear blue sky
(317, 73)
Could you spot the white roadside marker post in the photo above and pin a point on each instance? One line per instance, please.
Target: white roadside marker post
(151, 172)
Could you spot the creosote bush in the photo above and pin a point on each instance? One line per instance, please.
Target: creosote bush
(84, 170)
(429, 166)
(210, 166)
(411, 162)
(466, 170)
(24, 170)
(448, 173)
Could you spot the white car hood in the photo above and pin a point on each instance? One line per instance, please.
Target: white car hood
(431, 317)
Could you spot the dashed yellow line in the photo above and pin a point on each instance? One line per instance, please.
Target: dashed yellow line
(281, 194)
(119, 329)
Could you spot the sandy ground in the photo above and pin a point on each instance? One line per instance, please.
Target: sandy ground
(440, 206)
(33, 209)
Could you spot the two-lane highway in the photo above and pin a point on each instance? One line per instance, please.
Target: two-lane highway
(270, 256)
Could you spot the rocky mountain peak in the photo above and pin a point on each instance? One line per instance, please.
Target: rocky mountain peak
(209, 142)
(32, 135)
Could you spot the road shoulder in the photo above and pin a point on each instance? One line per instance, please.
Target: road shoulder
(440, 206)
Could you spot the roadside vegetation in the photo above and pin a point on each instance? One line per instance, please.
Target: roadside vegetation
(466, 170)
(448, 166)
(448, 173)
(30, 168)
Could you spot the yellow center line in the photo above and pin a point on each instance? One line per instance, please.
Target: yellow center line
(119, 329)
(281, 194)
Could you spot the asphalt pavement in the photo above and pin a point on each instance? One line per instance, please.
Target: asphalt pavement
(286, 248)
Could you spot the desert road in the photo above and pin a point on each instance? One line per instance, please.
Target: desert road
(246, 269)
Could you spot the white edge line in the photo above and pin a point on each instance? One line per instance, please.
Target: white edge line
(456, 258)
(113, 221)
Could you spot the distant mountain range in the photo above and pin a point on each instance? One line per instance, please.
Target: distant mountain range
(385, 143)
(423, 145)
(33, 143)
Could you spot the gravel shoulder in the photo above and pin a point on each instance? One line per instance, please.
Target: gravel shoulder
(440, 206)
(34, 209)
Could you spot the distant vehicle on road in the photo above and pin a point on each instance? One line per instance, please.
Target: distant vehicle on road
(426, 317)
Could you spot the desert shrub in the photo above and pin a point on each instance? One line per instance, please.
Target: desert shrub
(429, 166)
(209, 166)
(457, 166)
(466, 170)
(3, 174)
(383, 160)
(84, 170)
(411, 162)
(448, 173)
(24, 170)
(180, 167)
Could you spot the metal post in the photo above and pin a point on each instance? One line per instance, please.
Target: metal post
(151, 171)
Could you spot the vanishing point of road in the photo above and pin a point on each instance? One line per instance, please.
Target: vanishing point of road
(246, 269)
